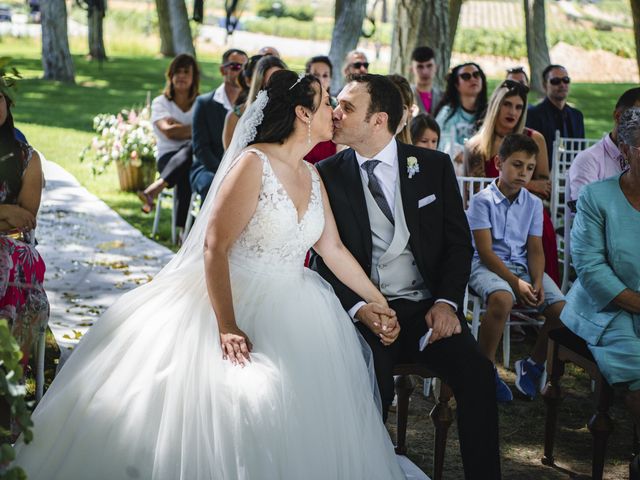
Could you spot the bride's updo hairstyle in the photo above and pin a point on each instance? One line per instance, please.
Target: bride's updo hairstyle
(286, 90)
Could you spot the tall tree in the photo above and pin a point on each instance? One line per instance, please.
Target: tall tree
(180, 28)
(349, 15)
(635, 10)
(537, 48)
(421, 22)
(56, 58)
(164, 25)
(455, 6)
(95, 14)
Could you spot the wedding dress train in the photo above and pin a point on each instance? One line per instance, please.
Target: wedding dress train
(147, 395)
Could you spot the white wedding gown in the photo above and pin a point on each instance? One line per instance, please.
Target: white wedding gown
(147, 395)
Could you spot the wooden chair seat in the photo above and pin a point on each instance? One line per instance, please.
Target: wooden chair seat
(441, 414)
(565, 346)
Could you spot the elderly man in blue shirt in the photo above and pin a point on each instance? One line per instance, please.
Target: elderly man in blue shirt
(508, 265)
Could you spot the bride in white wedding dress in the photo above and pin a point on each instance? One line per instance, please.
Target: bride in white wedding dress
(241, 365)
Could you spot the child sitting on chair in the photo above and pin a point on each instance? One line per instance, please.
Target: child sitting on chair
(508, 264)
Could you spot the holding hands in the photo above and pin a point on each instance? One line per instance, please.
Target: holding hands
(381, 320)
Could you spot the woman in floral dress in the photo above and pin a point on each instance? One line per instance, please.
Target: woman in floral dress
(23, 301)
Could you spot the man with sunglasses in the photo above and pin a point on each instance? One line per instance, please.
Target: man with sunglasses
(553, 113)
(232, 62)
(355, 63)
(209, 113)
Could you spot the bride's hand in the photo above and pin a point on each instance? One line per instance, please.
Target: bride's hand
(235, 345)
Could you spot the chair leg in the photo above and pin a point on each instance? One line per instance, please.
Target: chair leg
(41, 346)
(174, 219)
(404, 388)
(506, 344)
(442, 417)
(156, 217)
(552, 395)
(600, 427)
(475, 318)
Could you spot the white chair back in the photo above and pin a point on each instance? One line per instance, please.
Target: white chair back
(469, 186)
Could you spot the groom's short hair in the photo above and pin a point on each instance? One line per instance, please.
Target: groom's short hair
(384, 97)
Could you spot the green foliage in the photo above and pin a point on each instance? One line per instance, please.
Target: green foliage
(9, 75)
(269, 9)
(12, 392)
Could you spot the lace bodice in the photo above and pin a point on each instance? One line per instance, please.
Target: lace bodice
(274, 238)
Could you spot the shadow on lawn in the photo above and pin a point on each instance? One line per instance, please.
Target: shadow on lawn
(121, 82)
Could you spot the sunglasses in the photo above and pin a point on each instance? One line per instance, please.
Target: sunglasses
(466, 76)
(232, 65)
(358, 65)
(514, 86)
(558, 80)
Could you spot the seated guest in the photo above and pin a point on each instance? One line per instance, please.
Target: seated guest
(321, 68)
(404, 128)
(23, 301)
(553, 113)
(506, 114)
(269, 51)
(355, 63)
(603, 159)
(230, 68)
(264, 68)
(462, 107)
(603, 305)
(424, 68)
(518, 74)
(508, 265)
(425, 131)
(171, 116)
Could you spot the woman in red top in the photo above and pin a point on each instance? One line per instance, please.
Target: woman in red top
(321, 68)
(506, 113)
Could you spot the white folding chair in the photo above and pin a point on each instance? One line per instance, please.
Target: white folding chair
(194, 208)
(166, 194)
(469, 186)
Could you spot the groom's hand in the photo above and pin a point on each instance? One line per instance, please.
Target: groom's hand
(381, 320)
(444, 321)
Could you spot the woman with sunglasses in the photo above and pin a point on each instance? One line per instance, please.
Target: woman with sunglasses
(506, 114)
(462, 107)
(172, 116)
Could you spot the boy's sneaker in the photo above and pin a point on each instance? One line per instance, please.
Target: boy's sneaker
(528, 375)
(503, 392)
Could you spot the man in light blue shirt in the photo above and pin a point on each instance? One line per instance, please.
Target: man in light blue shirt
(508, 263)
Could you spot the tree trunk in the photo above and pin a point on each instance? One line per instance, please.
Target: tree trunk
(635, 10)
(421, 22)
(346, 32)
(56, 58)
(537, 48)
(164, 25)
(95, 15)
(455, 6)
(180, 28)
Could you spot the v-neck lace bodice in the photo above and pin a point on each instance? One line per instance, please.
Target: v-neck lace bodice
(274, 238)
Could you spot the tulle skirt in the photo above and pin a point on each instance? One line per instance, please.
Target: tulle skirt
(146, 394)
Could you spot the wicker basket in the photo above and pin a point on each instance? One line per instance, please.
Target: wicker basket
(133, 178)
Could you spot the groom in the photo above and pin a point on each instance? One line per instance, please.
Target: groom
(399, 212)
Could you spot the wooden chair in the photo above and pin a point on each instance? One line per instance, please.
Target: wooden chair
(441, 415)
(564, 347)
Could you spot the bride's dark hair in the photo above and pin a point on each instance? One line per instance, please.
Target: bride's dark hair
(286, 90)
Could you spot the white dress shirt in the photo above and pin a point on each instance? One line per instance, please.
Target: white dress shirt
(387, 174)
(220, 96)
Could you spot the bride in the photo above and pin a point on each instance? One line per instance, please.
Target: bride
(242, 366)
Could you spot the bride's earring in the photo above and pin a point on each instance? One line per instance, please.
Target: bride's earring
(309, 132)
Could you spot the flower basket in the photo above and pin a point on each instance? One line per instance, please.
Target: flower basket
(126, 139)
(133, 178)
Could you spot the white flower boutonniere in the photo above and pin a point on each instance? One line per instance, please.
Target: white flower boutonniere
(412, 166)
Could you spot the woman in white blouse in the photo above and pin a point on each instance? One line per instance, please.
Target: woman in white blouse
(171, 115)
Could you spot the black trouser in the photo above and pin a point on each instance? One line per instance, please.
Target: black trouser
(458, 361)
(174, 169)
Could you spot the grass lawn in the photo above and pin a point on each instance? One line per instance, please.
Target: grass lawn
(57, 119)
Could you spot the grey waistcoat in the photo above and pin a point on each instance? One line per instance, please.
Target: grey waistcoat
(393, 267)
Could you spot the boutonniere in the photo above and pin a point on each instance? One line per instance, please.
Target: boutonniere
(412, 166)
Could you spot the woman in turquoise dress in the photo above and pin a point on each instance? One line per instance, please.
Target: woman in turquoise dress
(603, 306)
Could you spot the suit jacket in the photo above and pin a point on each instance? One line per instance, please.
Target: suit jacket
(435, 99)
(208, 122)
(440, 239)
(543, 117)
